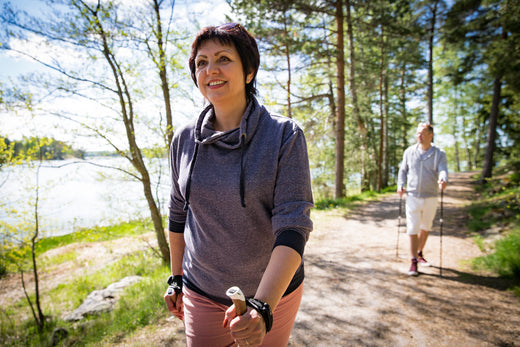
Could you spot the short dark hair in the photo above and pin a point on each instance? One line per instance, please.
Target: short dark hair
(230, 34)
(429, 126)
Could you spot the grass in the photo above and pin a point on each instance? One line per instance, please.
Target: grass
(351, 201)
(140, 305)
(504, 258)
(100, 233)
(498, 210)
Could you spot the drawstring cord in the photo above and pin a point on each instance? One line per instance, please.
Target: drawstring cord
(242, 175)
(242, 180)
(188, 183)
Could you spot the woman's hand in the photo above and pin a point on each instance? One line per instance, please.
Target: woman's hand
(247, 329)
(174, 303)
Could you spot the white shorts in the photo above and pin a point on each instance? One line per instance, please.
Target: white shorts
(419, 214)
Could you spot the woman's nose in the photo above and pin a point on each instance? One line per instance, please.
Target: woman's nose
(212, 68)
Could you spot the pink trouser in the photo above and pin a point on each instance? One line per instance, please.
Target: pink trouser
(203, 321)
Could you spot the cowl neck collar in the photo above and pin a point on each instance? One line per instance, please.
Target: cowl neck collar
(206, 134)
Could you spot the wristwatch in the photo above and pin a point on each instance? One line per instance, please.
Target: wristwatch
(175, 284)
(264, 309)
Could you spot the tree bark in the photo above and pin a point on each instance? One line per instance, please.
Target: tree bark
(136, 157)
(487, 169)
(340, 109)
(430, 61)
(362, 131)
(163, 75)
(288, 59)
(381, 159)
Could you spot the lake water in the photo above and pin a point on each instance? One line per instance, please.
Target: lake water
(77, 194)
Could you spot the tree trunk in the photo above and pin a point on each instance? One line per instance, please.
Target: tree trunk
(136, 157)
(161, 65)
(340, 109)
(487, 169)
(362, 131)
(402, 100)
(156, 219)
(430, 62)
(41, 318)
(288, 59)
(477, 145)
(454, 130)
(386, 161)
(381, 156)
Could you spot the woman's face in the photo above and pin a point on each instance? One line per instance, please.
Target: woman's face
(219, 73)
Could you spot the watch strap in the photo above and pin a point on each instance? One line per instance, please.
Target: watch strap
(175, 283)
(264, 309)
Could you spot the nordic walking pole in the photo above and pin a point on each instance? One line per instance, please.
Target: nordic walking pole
(398, 226)
(441, 223)
(238, 298)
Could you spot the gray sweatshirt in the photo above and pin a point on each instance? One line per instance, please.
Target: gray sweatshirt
(236, 195)
(421, 171)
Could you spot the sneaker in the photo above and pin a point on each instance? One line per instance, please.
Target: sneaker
(413, 269)
(421, 260)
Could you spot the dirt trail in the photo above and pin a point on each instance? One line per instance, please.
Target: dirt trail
(357, 292)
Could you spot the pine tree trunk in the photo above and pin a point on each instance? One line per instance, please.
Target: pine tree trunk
(487, 169)
(340, 109)
(430, 62)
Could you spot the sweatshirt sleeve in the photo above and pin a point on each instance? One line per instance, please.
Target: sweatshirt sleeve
(177, 215)
(443, 167)
(293, 194)
(403, 171)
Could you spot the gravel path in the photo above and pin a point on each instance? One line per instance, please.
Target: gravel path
(357, 292)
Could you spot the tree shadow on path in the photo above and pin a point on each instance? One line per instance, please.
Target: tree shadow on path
(357, 292)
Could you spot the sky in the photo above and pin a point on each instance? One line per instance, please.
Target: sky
(12, 66)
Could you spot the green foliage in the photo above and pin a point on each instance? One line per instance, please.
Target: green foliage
(7, 153)
(351, 201)
(32, 148)
(498, 208)
(500, 204)
(505, 258)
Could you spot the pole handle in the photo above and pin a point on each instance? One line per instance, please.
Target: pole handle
(239, 300)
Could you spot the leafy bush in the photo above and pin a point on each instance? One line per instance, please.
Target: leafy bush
(505, 260)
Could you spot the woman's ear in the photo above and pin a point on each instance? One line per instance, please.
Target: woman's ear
(249, 77)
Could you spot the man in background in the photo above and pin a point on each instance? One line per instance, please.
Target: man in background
(424, 171)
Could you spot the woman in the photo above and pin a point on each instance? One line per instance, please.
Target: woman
(240, 203)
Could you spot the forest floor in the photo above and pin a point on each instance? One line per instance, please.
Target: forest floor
(357, 290)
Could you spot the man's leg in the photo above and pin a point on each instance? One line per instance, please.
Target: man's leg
(413, 221)
(427, 215)
(423, 236)
(414, 245)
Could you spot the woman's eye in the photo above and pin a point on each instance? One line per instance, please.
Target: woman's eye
(224, 58)
(201, 63)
